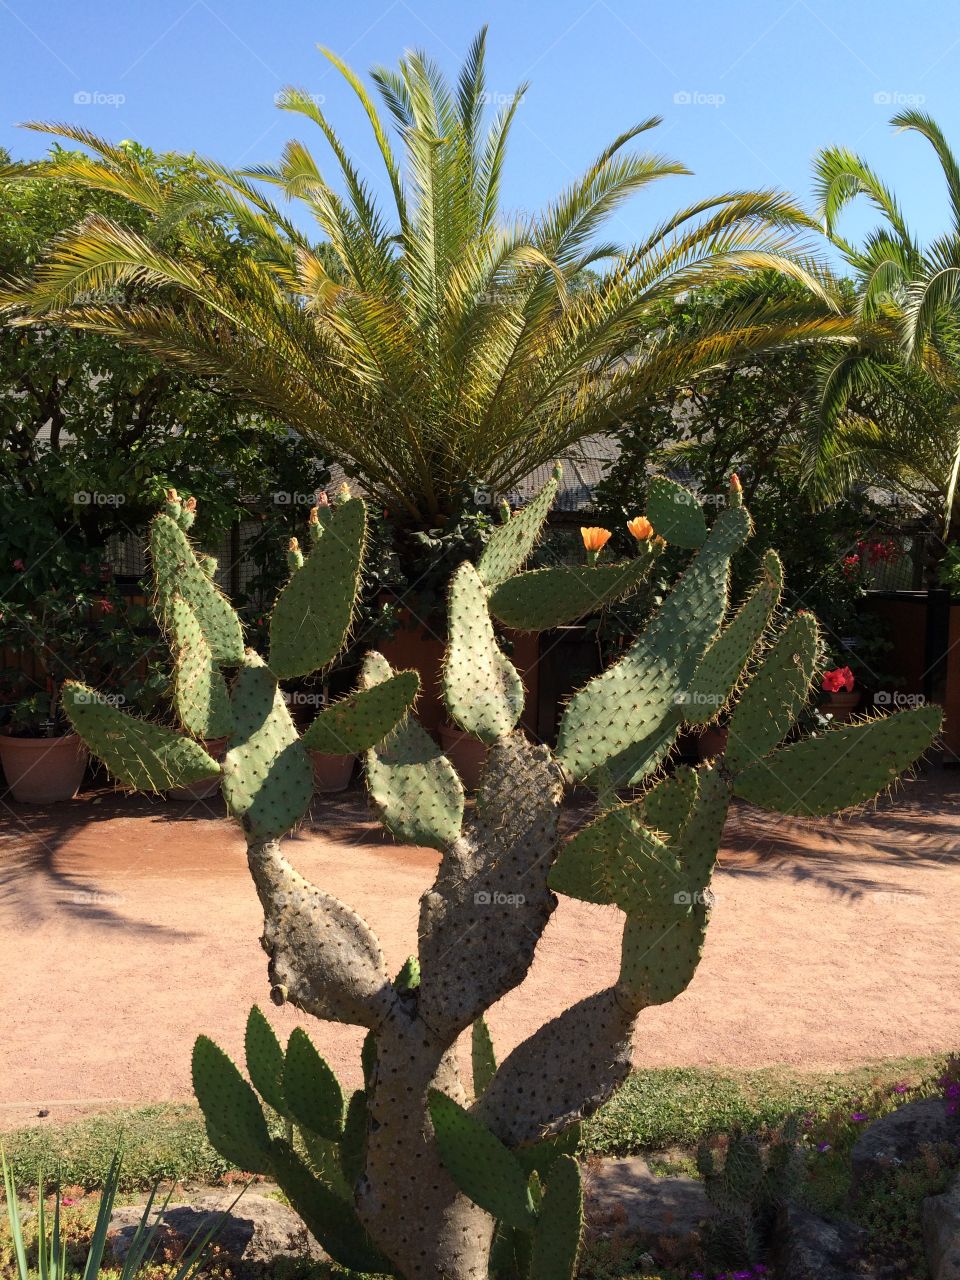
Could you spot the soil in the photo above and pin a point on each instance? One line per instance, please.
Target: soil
(128, 925)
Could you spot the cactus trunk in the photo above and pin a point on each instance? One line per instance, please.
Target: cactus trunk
(406, 1199)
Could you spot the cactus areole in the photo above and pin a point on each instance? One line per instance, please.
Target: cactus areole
(421, 1174)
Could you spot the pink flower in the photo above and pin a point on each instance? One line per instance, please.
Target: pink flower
(105, 605)
(836, 679)
(19, 565)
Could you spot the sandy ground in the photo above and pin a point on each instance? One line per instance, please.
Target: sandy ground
(129, 925)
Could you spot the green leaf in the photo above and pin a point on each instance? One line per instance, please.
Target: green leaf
(235, 1121)
(312, 1092)
(265, 1060)
(479, 1163)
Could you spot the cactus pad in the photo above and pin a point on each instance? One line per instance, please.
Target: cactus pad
(769, 706)
(479, 1163)
(235, 1122)
(177, 571)
(675, 513)
(483, 1058)
(149, 757)
(200, 691)
(265, 1060)
(311, 618)
(360, 721)
(510, 544)
(719, 670)
(667, 805)
(626, 719)
(546, 598)
(556, 1240)
(840, 768)
(413, 785)
(312, 1092)
(267, 777)
(481, 687)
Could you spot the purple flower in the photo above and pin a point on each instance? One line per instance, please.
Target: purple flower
(823, 1146)
(901, 1088)
(858, 1116)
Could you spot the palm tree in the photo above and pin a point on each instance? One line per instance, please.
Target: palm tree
(890, 402)
(439, 344)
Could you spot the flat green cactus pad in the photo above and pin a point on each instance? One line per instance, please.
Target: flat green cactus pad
(510, 544)
(479, 1163)
(618, 859)
(267, 776)
(668, 803)
(264, 1056)
(234, 1118)
(719, 670)
(769, 706)
(310, 1088)
(484, 1060)
(556, 1240)
(329, 1216)
(675, 513)
(546, 598)
(842, 767)
(149, 757)
(481, 687)
(626, 719)
(412, 784)
(177, 571)
(658, 959)
(360, 721)
(311, 618)
(200, 691)
(698, 841)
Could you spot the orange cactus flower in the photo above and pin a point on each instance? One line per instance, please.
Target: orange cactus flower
(594, 539)
(293, 545)
(190, 504)
(735, 484)
(640, 528)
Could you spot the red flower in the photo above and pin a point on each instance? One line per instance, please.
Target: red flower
(836, 679)
(19, 565)
(105, 605)
(850, 566)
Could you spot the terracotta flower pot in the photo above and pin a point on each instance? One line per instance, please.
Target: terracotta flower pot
(842, 705)
(467, 754)
(331, 773)
(206, 787)
(43, 770)
(712, 741)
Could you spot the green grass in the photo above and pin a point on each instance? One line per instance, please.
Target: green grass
(655, 1110)
(680, 1106)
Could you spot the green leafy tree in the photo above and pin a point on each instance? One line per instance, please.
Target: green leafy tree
(442, 343)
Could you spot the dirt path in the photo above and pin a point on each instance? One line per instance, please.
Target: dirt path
(128, 925)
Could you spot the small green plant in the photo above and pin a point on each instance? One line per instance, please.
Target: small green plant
(417, 1174)
(50, 1246)
(747, 1178)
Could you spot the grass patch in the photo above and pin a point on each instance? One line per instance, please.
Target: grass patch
(680, 1106)
(165, 1142)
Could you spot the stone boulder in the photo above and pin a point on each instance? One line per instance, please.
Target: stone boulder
(941, 1233)
(899, 1137)
(808, 1247)
(628, 1196)
(257, 1229)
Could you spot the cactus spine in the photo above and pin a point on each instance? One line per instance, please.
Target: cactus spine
(412, 1174)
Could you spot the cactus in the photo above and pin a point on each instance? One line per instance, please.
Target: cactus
(410, 1175)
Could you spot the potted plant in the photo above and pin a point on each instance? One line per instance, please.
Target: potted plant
(843, 697)
(64, 617)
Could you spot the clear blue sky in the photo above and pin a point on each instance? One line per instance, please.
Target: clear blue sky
(766, 82)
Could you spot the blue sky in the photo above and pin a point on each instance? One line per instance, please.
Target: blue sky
(748, 89)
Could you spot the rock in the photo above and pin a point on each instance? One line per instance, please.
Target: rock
(627, 1195)
(807, 1247)
(897, 1138)
(257, 1230)
(941, 1233)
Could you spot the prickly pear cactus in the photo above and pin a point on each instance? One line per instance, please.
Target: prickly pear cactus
(418, 1174)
